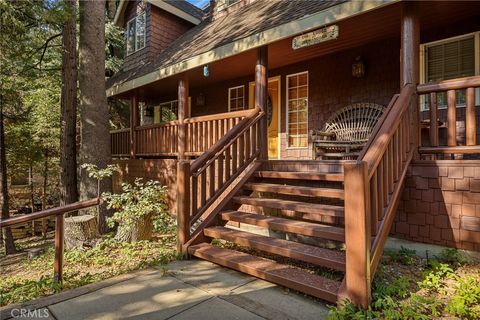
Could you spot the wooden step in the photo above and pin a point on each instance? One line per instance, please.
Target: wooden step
(290, 277)
(297, 206)
(296, 190)
(324, 176)
(318, 256)
(286, 225)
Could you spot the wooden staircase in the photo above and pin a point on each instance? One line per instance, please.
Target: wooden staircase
(305, 204)
(323, 223)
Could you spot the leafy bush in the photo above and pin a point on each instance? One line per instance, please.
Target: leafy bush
(465, 303)
(434, 278)
(137, 201)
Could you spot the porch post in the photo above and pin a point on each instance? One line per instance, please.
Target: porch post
(409, 60)
(133, 124)
(183, 170)
(261, 94)
(182, 111)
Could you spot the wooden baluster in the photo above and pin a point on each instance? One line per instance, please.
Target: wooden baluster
(451, 119)
(470, 118)
(228, 160)
(234, 156)
(433, 120)
(204, 137)
(241, 151)
(380, 189)
(220, 171)
(357, 233)
(58, 262)
(385, 181)
(183, 204)
(254, 138)
(194, 195)
(210, 134)
(212, 179)
(203, 188)
(247, 144)
(374, 203)
(390, 167)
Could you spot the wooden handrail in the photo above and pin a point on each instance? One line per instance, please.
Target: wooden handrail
(241, 130)
(119, 130)
(200, 161)
(453, 84)
(219, 116)
(157, 125)
(50, 212)
(386, 129)
(59, 229)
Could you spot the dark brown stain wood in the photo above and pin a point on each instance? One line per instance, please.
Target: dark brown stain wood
(304, 207)
(296, 190)
(287, 225)
(269, 270)
(303, 252)
(300, 175)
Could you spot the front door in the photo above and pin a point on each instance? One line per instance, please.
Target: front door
(273, 114)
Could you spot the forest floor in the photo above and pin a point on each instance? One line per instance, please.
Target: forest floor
(24, 279)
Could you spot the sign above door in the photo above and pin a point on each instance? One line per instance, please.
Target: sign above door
(315, 37)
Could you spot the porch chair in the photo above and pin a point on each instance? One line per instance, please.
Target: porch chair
(346, 132)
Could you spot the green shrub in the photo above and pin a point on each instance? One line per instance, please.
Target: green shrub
(465, 303)
(404, 255)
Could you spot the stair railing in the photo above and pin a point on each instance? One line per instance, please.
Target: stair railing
(373, 186)
(203, 181)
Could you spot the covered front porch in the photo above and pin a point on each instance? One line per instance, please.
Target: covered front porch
(305, 86)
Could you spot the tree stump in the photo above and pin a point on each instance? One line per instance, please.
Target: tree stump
(142, 230)
(81, 231)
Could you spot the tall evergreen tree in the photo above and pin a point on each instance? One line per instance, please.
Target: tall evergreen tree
(68, 152)
(95, 134)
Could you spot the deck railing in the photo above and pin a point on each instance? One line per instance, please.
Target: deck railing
(120, 142)
(59, 213)
(157, 139)
(162, 139)
(202, 182)
(455, 143)
(373, 185)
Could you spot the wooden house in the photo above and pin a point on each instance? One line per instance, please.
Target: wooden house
(231, 107)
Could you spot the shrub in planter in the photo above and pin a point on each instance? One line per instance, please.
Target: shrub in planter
(136, 208)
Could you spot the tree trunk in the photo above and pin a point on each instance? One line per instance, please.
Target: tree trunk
(68, 152)
(44, 192)
(7, 232)
(80, 231)
(95, 133)
(142, 230)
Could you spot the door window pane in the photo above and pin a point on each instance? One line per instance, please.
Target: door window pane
(297, 110)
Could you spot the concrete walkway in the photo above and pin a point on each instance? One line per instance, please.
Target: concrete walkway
(191, 289)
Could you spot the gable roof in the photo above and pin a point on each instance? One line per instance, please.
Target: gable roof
(180, 8)
(251, 26)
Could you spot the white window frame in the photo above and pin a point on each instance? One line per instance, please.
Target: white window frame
(134, 20)
(423, 71)
(288, 147)
(229, 96)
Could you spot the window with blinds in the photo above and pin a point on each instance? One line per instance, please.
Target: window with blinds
(449, 60)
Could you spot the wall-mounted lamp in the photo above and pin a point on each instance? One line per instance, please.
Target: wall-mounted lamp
(206, 72)
(358, 68)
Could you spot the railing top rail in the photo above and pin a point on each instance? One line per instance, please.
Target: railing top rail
(453, 84)
(157, 125)
(50, 212)
(386, 129)
(219, 116)
(198, 163)
(120, 130)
